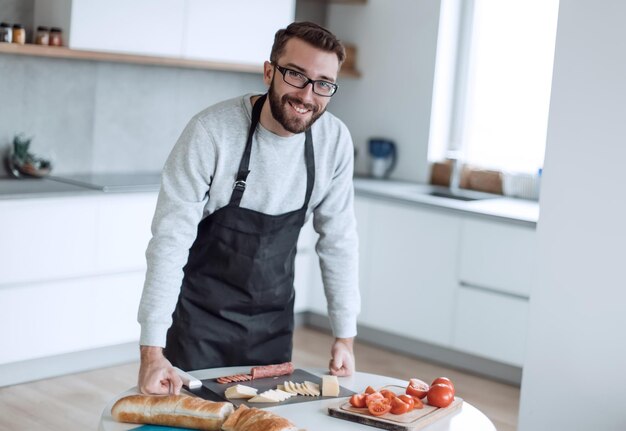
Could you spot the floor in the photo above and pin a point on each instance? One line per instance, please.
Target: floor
(75, 402)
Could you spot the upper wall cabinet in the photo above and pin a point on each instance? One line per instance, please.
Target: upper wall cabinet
(234, 31)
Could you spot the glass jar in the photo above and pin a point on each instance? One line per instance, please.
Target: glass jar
(6, 34)
(56, 37)
(42, 37)
(19, 34)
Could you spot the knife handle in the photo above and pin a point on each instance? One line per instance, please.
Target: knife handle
(188, 380)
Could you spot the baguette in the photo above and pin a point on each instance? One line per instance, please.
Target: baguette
(253, 419)
(172, 410)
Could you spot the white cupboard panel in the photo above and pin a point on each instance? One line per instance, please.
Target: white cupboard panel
(410, 259)
(46, 239)
(238, 31)
(152, 27)
(123, 233)
(498, 256)
(52, 318)
(491, 325)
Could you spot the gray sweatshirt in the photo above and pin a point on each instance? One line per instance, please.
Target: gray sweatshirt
(208, 153)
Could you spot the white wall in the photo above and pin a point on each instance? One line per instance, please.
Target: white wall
(397, 43)
(574, 378)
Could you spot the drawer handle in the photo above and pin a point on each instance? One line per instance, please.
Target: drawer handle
(492, 290)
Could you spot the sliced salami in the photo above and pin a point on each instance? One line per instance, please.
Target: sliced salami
(263, 371)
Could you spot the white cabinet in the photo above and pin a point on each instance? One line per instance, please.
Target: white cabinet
(234, 31)
(408, 279)
(72, 272)
(496, 275)
(237, 31)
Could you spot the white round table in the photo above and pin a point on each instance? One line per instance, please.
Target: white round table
(313, 415)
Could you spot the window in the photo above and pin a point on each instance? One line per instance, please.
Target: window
(493, 79)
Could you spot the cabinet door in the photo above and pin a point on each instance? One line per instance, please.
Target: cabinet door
(149, 27)
(411, 259)
(238, 31)
(491, 325)
(498, 256)
(44, 239)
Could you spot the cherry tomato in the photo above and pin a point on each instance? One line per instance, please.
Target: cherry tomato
(358, 401)
(376, 396)
(417, 388)
(369, 390)
(444, 381)
(380, 407)
(388, 394)
(409, 400)
(440, 395)
(398, 407)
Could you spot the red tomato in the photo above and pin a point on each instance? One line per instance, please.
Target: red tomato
(388, 394)
(398, 407)
(417, 388)
(358, 401)
(376, 396)
(444, 381)
(409, 400)
(440, 395)
(369, 390)
(379, 408)
(419, 404)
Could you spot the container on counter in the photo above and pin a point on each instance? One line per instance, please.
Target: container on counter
(6, 34)
(42, 37)
(19, 34)
(56, 37)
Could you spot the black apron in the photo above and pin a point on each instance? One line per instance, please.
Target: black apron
(236, 301)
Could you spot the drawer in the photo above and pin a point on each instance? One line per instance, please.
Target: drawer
(498, 256)
(491, 325)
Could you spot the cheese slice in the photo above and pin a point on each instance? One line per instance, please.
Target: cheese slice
(290, 387)
(330, 386)
(263, 398)
(313, 388)
(240, 391)
(284, 394)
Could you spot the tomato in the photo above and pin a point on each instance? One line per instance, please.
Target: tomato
(440, 395)
(409, 400)
(376, 396)
(417, 388)
(358, 401)
(379, 408)
(444, 381)
(370, 390)
(419, 404)
(388, 394)
(399, 407)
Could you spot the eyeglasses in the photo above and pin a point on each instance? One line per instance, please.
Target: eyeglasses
(299, 80)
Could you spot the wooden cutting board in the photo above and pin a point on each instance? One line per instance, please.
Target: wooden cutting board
(414, 420)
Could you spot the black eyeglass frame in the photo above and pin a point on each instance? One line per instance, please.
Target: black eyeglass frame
(284, 70)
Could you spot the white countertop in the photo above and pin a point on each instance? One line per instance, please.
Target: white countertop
(502, 207)
(313, 415)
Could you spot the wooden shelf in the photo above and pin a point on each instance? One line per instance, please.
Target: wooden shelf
(74, 54)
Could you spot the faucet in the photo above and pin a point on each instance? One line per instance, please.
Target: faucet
(454, 156)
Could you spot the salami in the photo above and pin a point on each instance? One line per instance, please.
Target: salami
(271, 370)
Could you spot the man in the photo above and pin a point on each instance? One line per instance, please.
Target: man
(236, 189)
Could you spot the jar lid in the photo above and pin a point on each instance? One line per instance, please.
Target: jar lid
(42, 28)
(55, 29)
(4, 24)
(17, 26)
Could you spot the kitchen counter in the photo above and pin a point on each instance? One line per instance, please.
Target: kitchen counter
(520, 211)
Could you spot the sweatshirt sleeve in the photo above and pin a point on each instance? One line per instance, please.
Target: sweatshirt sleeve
(337, 246)
(183, 195)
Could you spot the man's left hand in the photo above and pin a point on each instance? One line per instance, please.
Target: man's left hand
(342, 360)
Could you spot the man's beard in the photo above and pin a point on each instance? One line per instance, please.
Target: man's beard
(279, 108)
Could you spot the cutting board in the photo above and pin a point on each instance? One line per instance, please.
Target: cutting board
(414, 420)
(216, 390)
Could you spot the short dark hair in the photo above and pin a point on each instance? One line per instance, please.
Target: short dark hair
(311, 33)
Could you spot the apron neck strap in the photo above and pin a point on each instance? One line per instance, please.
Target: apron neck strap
(240, 183)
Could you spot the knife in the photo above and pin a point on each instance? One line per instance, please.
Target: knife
(189, 381)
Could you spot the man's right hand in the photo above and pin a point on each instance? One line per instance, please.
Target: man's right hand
(156, 374)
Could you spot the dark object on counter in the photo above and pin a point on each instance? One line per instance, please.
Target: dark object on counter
(20, 162)
(42, 37)
(56, 37)
(6, 34)
(19, 34)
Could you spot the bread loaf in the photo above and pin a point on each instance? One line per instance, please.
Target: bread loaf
(172, 410)
(253, 419)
